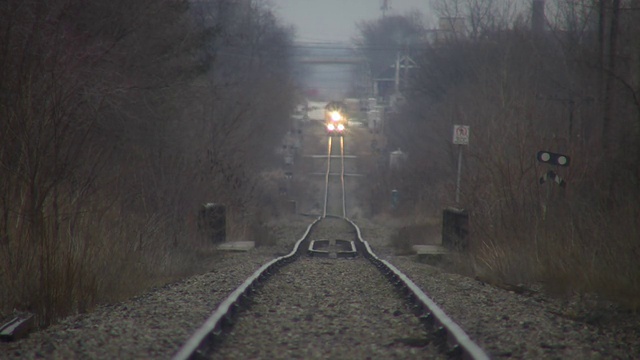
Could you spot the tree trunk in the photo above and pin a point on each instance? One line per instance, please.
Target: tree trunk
(611, 70)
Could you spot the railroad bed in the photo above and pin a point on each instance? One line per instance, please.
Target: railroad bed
(332, 308)
(506, 324)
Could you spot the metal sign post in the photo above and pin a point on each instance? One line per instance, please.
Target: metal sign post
(555, 159)
(460, 137)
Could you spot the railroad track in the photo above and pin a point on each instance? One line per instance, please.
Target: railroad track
(335, 194)
(312, 303)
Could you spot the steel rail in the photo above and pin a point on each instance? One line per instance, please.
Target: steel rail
(451, 334)
(328, 175)
(326, 178)
(460, 343)
(344, 195)
(199, 342)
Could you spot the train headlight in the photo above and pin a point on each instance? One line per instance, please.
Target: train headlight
(331, 127)
(340, 127)
(336, 116)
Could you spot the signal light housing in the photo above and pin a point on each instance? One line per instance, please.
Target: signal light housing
(553, 158)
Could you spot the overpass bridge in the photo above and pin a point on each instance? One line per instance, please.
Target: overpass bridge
(331, 69)
(330, 60)
(327, 53)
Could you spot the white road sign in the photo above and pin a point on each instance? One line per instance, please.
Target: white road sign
(461, 134)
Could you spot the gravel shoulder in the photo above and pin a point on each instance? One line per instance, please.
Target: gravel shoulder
(531, 325)
(505, 324)
(153, 325)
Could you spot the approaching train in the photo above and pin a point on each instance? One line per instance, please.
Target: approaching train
(335, 116)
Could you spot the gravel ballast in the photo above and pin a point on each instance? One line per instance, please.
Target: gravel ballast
(505, 324)
(324, 308)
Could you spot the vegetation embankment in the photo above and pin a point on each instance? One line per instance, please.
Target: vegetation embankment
(567, 84)
(119, 119)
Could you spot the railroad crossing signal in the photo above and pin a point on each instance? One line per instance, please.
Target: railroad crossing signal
(553, 158)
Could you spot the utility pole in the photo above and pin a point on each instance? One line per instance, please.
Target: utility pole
(402, 62)
(537, 16)
(384, 7)
(397, 75)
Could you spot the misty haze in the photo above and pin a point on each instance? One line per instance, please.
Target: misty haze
(355, 179)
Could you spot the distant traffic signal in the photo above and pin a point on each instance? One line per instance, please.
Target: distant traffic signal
(553, 158)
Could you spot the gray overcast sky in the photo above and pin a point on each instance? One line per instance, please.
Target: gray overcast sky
(335, 20)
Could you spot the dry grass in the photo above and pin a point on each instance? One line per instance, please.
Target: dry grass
(585, 253)
(92, 262)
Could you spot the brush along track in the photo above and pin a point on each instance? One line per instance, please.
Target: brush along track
(156, 324)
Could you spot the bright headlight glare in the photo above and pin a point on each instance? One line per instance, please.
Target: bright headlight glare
(336, 116)
(340, 127)
(331, 127)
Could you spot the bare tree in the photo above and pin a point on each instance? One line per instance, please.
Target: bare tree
(102, 151)
(521, 94)
(482, 17)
